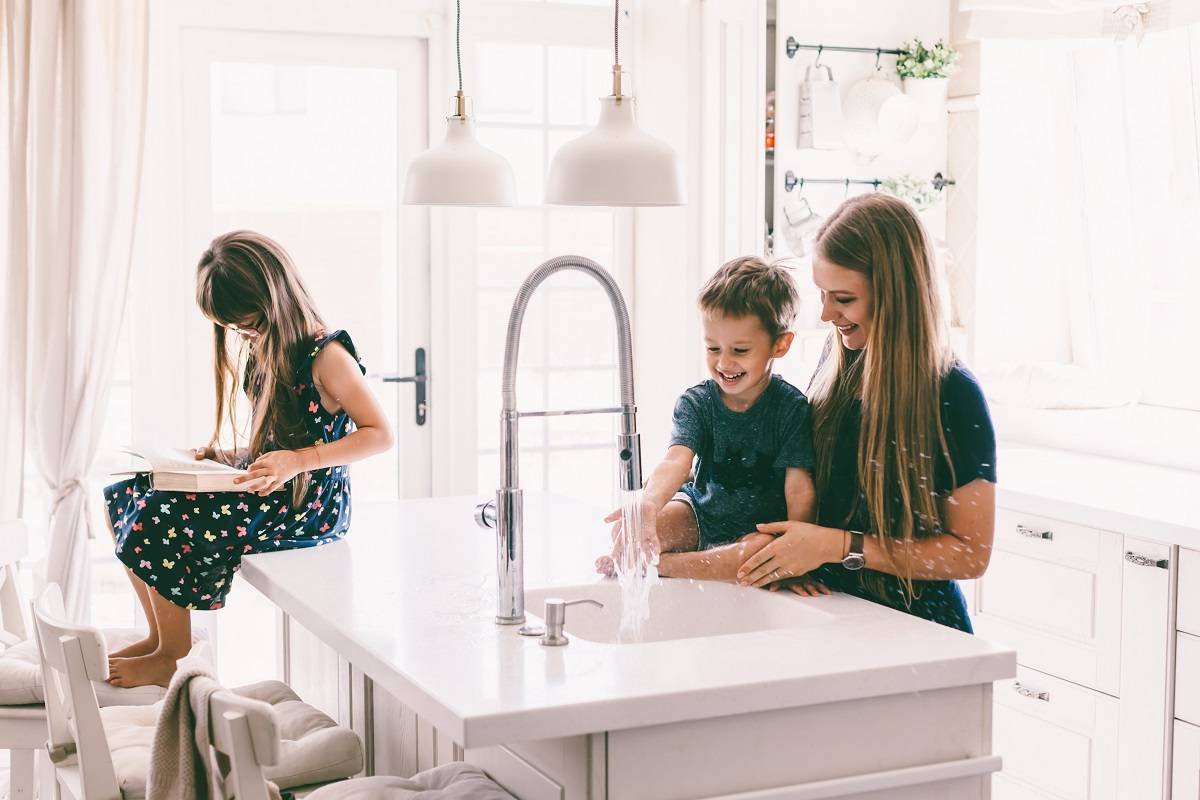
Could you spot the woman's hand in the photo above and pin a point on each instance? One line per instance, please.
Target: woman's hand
(805, 586)
(800, 548)
(201, 453)
(272, 470)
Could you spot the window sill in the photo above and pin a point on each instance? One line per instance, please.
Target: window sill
(1167, 437)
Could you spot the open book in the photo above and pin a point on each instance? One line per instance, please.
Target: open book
(177, 470)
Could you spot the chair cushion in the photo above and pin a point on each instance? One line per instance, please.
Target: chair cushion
(21, 674)
(457, 781)
(312, 747)
(130, 732)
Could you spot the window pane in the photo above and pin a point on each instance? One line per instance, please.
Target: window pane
(525, 150)
(576, 80)
(510, 82)
(307, 155)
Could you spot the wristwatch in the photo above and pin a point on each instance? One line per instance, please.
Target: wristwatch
(854, 559)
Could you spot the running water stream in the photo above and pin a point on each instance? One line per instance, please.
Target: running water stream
(637, 567)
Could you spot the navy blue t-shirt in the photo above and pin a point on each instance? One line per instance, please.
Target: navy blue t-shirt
(971, 440)
(741, 456)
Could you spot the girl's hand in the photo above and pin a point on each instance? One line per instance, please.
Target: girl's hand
(272, 470)
(800, 548)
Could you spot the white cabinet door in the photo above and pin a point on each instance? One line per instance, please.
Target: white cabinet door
(1185, 774)
(1189, 591)
(1053, 593)
(1147, 631)
(1057, 740)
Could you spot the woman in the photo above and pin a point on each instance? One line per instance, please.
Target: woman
(905, 447)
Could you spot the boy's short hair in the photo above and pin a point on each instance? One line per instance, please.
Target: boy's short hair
(748, 285)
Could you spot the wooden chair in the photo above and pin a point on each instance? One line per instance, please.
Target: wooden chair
(22, 727)
(246, 733)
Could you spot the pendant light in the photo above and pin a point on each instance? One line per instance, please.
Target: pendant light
(460, 171)
(616, 163)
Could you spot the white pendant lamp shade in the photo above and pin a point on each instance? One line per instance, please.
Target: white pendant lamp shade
(460, 171)
(615, 164)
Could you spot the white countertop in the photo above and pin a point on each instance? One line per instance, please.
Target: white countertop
(409, 596)
(1149, 502)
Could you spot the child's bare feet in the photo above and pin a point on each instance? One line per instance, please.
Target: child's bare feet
(155, 668)
(143, 647)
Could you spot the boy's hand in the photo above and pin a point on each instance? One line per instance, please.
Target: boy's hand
(647, 538)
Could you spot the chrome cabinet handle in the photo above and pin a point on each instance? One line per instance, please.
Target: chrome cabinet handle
(1146, 561)
(1025, 530)
(1032, 694)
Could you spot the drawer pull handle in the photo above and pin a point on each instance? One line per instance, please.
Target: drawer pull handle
(1032, 694)
(1025, 530)
(1146, 561)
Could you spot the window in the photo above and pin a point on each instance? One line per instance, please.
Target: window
(1089, 190)
(531, 98)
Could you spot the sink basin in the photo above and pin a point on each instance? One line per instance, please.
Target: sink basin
(679, 609)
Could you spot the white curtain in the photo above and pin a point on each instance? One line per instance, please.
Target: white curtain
(77, 98)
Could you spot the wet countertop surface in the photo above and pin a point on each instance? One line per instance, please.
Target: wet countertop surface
(409, 598)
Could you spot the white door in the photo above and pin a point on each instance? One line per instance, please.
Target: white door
(305, 138)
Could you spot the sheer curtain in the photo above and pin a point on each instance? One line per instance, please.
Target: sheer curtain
(76, 97)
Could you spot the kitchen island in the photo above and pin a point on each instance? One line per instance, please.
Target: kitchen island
(788, 697)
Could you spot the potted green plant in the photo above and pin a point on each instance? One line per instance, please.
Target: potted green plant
(926, 71)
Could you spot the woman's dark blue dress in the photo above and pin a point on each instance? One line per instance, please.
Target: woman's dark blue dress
(187, 546)
(972, 444)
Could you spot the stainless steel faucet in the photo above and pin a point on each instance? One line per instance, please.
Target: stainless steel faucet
(505, 513)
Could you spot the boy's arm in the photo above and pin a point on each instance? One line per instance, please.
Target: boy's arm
(668, 477)
(800, 494)
(716, 564)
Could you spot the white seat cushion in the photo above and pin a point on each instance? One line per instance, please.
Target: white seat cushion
(312, 747)
(21, 674)
(456, 781)
(130, 732)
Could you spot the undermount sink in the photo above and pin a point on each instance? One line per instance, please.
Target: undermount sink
(679, 609)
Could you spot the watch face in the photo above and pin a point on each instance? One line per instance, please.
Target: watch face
(854, 561)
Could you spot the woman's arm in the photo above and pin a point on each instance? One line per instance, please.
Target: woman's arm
(962, 553)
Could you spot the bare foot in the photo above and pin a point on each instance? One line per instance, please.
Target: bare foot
(155, 668)
(140, 648)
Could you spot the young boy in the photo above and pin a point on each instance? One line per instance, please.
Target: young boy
(746, 432)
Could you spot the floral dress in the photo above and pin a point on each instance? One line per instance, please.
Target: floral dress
(187, 546)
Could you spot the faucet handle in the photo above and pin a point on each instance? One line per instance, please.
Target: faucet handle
(556, 617)
(485, 514)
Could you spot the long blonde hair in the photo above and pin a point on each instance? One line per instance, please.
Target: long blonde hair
(245, 276)
(897, 376)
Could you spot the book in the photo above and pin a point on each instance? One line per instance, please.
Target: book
(177, 470)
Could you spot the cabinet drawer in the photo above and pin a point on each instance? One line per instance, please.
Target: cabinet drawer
(1187, 678)
(1053, 593)
(1189, 591)
(1055, 736)
(1185, 768)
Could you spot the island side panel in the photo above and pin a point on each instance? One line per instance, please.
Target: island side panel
(570, 768)
(789, 747)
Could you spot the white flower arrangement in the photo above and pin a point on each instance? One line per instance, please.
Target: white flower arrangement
(939, 60)
(920, 193)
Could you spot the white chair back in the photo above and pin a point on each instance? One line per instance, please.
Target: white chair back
(244, 731)
(72, 657)
(14, 545)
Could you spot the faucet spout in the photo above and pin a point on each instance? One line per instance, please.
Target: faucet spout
(507, 516)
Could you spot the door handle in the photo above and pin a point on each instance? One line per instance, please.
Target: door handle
(420, 380)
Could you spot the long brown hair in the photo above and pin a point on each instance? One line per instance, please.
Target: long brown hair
(245, 278)
(897, 376)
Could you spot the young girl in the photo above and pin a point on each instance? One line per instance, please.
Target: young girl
(906, 452)
(312, 413)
